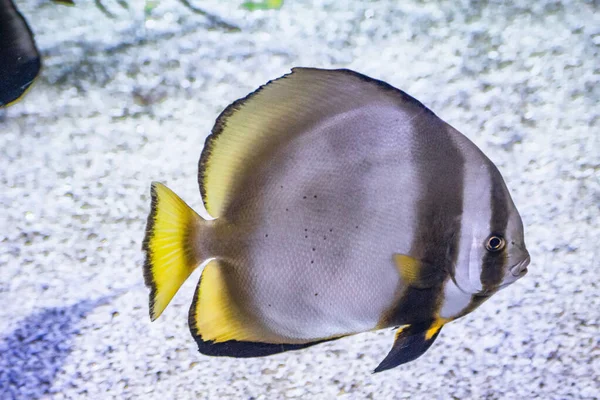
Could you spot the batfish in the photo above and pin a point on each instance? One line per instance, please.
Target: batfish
(341, 205)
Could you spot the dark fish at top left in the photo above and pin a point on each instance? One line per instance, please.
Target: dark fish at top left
(20, 61)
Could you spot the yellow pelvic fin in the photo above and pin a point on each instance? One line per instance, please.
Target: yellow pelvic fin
(416, 273)
(435, 327)
(170, 246)
(214, 315)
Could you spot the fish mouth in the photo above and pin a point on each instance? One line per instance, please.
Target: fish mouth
(520, 269)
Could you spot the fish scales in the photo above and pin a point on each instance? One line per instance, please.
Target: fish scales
(291, 221)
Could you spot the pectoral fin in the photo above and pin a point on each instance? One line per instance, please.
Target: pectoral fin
(416, 273)
(410, 343)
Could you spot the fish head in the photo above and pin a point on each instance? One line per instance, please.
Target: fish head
(514, 257)
(492, 251)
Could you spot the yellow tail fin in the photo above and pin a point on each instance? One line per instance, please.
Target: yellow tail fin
(170, 245)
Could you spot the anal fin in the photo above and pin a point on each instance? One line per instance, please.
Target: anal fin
(411, 342)
(219, 325)
(215, 314)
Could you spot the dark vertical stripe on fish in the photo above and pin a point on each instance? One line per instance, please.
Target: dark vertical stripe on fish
(439, 210)
(493, 263)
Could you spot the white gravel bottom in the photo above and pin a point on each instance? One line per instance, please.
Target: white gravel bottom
(112, 112)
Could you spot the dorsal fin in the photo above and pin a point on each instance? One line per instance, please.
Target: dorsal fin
(249, 128)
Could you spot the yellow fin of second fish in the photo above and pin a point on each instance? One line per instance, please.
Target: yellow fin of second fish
(171, 255)
(69, 3)
(214, 315)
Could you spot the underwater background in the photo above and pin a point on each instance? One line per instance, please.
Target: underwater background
(128, 96)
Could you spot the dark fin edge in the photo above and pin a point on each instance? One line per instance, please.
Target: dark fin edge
(148, 266)
(235, 348)
(221, 120)
(383, 85)
(410, 343)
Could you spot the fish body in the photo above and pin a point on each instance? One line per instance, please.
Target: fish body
(20, 62)
(342, 205)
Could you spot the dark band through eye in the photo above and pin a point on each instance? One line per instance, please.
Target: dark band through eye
(495, 243)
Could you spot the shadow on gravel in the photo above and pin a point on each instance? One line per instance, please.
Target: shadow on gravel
(33, 354)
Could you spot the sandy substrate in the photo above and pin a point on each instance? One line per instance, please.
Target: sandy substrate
(123, 102)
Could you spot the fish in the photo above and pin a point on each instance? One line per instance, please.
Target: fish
(340, 205)
(20, 61)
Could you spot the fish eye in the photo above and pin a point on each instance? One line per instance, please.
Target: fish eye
(495, 243)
